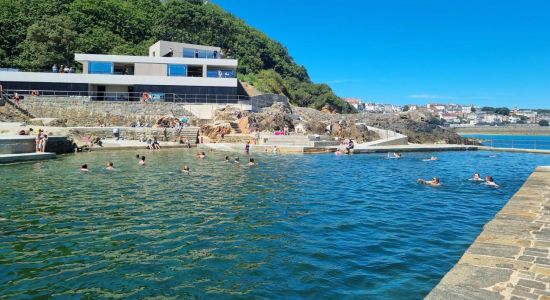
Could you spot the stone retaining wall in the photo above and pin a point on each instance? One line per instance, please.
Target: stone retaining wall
(83, 112)
(135, 133)
(510, 259)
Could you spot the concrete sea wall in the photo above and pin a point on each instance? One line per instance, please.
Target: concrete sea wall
(26, 144)
(510, 259)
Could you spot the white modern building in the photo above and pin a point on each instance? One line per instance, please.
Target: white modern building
(172, 71)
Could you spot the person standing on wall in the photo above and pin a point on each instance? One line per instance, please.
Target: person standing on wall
(116, 133)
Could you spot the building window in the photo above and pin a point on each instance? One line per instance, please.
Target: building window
(177, 70)
(220, 73)
(100, 67)
(189, 53)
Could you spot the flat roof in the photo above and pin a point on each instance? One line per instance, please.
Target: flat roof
(184, 45)
(155, 60)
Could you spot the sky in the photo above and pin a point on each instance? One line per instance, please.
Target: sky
(485, 52)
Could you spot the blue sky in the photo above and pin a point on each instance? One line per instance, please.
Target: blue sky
(486, 52)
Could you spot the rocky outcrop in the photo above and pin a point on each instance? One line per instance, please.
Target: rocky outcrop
(419, 127)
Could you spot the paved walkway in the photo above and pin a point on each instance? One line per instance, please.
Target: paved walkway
(511, 257)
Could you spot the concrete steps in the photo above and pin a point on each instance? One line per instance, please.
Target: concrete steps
(235, 128)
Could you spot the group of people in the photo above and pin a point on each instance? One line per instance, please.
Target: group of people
(476, 178)
(185, 169)
(152, 144)
(62, 69)
(41, 140)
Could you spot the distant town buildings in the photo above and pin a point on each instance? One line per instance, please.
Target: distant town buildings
(459, 114)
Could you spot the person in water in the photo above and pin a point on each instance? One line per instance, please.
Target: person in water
(247, 147)
(477, 177)
(226, 158)
(202, 155)
(237, 160)
(397, 155)
(142, 161)
(251, 162)
(84, 168)
(434, 182)
(137, 156)
(490, 181)
(110, 166)
(338, 152)
(185, 169)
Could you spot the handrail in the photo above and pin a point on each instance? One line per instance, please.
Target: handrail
(514, 143)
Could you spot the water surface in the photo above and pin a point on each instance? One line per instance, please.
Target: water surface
(294, 227)
(513, 141)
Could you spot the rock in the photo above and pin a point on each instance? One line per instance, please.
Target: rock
(55, 122)
(216, 130)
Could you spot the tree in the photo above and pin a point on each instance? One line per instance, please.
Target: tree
(34, 34)
(488, 109)
(543, 123)
(49, 41)
(472, 109)
(406, 108)
(504, 111)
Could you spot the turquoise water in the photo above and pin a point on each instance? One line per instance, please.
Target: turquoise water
(294, 227)
(513, 141)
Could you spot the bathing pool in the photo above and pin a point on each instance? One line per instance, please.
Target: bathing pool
(293, 227)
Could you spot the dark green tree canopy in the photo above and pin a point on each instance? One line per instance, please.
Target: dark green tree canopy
(36, 34)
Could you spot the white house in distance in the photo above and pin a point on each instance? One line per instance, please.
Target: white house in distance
(172, 71)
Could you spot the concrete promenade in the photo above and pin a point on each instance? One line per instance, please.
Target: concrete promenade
(510, 259)
(22, 157)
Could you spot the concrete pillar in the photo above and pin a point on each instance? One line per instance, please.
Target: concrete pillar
(204, 71)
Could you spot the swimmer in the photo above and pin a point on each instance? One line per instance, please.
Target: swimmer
(433, 158)
(226, 158)
(434, 182)
(491, 182)
(237, 160)
(395, 155)
(137, 156)
(247, 147)
(275, 149)
(110, 166)
(185, 169)
(142, 161)
(477, 178)
(338, 152)
(84, 168)
(251, 162)
(202, 155)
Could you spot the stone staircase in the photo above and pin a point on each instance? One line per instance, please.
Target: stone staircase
(18, 108)
(235, 128)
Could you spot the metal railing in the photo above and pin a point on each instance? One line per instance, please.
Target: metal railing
(535, 144)
(135, 96)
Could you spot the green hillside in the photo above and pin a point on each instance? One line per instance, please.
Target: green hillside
(35, 34)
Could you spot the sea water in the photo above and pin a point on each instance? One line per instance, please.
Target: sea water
(292, 227)
(541, 142)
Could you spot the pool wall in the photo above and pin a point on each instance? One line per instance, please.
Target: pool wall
(510, 259)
